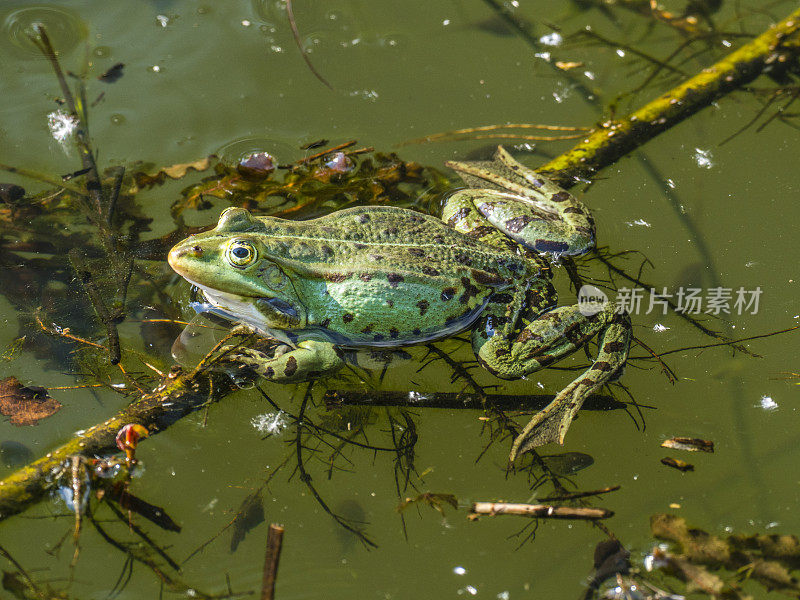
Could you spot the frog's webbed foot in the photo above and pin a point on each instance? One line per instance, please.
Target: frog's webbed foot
(552, 422)
(552, 335)
(309, 360)
(522, 204)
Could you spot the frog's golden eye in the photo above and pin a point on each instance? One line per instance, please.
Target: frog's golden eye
(240, 253)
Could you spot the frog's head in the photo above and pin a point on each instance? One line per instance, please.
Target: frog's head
(230, 264)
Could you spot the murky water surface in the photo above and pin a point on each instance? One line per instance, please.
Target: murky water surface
(227, 78)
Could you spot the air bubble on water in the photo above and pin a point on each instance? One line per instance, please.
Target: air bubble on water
(61, 125)
(767, 403)
(561, 93)
(703, 158)
(551, 39)
(270, 423)
(370, 95)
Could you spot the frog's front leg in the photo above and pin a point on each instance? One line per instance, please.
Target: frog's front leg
(522, 204)
(309, 360)
(513, 352)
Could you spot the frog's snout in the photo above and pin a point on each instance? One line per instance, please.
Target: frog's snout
(181, 252)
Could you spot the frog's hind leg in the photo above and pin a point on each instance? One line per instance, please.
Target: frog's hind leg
(551, 336)
(523, 204)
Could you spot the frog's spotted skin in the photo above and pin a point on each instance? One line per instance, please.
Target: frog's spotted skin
(383, 276)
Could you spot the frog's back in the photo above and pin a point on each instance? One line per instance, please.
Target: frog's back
(389, 276)
(383, 237)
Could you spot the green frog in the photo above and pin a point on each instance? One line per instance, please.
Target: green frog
(380, 276)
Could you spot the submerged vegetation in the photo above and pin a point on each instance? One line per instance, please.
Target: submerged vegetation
(94, 298)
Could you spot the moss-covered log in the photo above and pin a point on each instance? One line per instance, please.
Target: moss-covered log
(179, 394)
(774, 50)
(184, 392)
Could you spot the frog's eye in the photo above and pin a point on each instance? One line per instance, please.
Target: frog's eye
(240, 253)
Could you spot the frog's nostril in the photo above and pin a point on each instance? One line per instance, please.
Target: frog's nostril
(197, 251)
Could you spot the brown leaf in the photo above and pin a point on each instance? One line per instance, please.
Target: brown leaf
(144, 180)
(25, 405)
(689, 444)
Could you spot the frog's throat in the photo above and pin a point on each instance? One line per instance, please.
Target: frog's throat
(260, 312)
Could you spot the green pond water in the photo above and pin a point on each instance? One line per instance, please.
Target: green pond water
(227, 78)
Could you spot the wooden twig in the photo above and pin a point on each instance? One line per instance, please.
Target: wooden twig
(545, 511)
(271, 558)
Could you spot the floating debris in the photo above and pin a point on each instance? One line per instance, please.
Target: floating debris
(703, 158)
(546, 511)
(61, 125)
(270, 423)
(551, 39)
(767, 403)
(689, 444)
(676, 463)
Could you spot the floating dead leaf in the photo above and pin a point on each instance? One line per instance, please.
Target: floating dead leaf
(676, 463)
(435, 501)
(146, 180)
(566, 66)
(26, 405)
(113, 74)
(689, 444)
